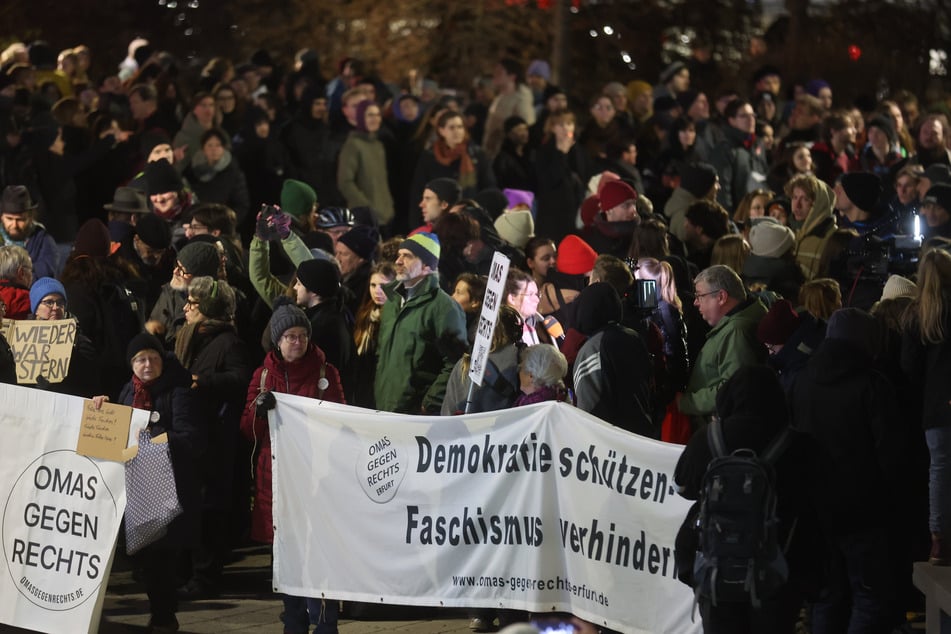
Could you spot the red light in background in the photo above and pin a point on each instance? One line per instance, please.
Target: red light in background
(854, 52)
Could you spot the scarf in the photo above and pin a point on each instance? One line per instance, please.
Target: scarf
(141, 396)
(367, 339)
(445, 156)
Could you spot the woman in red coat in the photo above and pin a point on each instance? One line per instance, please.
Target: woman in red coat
(293, 366)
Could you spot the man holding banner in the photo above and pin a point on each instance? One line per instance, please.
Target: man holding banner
(422, 333)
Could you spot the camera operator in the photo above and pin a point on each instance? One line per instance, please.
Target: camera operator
(862, 268)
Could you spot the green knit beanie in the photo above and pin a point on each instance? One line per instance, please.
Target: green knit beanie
(297, 198)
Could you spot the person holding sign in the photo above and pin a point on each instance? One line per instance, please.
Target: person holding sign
(295, 365)
(161, 385)
(48, 303)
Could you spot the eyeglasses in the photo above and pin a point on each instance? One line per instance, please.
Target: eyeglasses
(295, 338)
(700, 295)
(180, 270)
(192, 302)
(53, 303)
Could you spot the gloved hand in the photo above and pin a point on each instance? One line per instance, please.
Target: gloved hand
(264, 403)
(272, 224)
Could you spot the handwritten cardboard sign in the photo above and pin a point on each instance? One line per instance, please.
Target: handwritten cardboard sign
(104, 433)
(42, 349)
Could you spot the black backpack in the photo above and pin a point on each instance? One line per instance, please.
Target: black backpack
(738, 557)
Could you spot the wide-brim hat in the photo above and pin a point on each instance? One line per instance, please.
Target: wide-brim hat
(16, 200)
(128, 200)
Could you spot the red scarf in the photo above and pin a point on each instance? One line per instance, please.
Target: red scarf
(141, 396)
(446, 156)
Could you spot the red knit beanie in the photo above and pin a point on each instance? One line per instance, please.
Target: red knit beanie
(575, 256)
(779, 323)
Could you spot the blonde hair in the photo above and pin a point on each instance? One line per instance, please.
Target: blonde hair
(731, 250)
(662, 273)
(821, 297)
(931, 305)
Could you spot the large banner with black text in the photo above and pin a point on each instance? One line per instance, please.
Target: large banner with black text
(61, 512)
(536, 508)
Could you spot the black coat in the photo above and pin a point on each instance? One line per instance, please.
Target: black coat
(178, 415)
(850, 410)
(561, 189)
(220, 361)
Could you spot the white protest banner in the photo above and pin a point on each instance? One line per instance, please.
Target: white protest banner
(60, 515)
(535, 508)
(42, 349)
(491, 301)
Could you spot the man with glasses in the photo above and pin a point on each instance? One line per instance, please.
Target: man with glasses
(720, 296)
(194, 260)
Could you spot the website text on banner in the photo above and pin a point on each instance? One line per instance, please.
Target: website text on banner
(538, 508)
(60, 515)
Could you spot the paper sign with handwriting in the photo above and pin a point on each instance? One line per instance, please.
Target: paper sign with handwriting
(104, 433)
(42, 349)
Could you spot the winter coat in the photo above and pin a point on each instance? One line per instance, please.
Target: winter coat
(816, 230)
(730, 345)
(928, 367)
(267, 285)
(17, 299)
(741, 164)
(362, 177)
(851, 411)
(222, 183)
(798, 349)
(612, 379)
(219, 358)
(421, 338)
(676, 211)
(42, 250)
(300, 378)
(520, 102)
(169, 311)
(499, 387)
(8, 370)
(187, 436)
(561, 189)
(428, 168)
(331, 325)
(310, 155)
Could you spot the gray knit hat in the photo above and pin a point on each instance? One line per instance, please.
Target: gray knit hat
(200, 258)
(285, 317)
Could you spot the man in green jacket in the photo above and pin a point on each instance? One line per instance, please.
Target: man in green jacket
(731, 343)
(422, 333)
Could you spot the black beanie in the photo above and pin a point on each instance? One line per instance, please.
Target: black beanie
(143, 341)
(885, 125)
(697, 178)
(598, 305)
(362, 240)
(493, 201)
(446, 189)
(319, 276)
(863, 189)
(857, 328)
(152, 138)
(200, 258)
(161, 177)
(154, 231)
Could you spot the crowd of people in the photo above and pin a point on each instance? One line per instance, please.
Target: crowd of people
(763, 258)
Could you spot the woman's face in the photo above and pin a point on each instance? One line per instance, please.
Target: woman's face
(192, 314)
(226, 101)
(213, 150)
(377, 281)
(544, 260)
(52, 306)
(454, 132)
(372, 118)
(525, 301)
(603, 111)
(564, 129)
(758, 207)
(802, 160)
(293, 344)
(147, 365)
(687, 136)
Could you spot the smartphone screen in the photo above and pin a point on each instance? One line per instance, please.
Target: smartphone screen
(554, 627)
